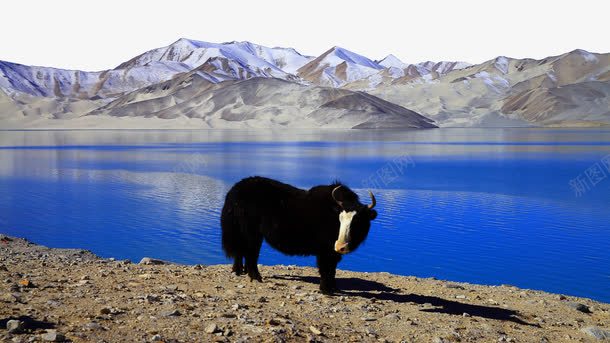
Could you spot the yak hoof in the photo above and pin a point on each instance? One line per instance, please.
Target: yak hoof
(256, 277)
(238, 271)
(329, 290)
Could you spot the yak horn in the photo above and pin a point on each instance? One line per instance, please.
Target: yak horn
(373, 201)
(335, 199)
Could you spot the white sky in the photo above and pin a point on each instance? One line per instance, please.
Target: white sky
(90, 35)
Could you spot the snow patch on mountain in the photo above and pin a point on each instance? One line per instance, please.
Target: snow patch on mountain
(501, 63)
(587, 56)
(259, 60)
(391, 61)
(337, 67)
(52, 82)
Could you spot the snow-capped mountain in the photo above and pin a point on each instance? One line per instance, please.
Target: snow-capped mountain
(257, 60)
(397, 72)
(391, 61)
(286, 59)
(338, 66)
(218, 62)
(569, 89)
(52, 82)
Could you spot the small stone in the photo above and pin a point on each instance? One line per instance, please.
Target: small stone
(579, 307)
(198, 267)
(560, 297)
(170, 288)
(315, 330)
(597, 333)
(53, 336)
(173, 313)
(156, 338)
(370, 332)
(93, 326)
(273, 322)
(26, 283)
(149, 261)
(454, 286)
(151, 298)
(15, 326)
(235, 307)
(262, 300)
(393, 316)
(461, 296)
(368, 319)
(106, 310)
(465, 314)
(9, 298)
(212, 328)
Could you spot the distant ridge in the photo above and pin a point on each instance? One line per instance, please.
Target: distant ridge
(564, 90)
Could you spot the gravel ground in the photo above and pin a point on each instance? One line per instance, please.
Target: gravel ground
(72, 295)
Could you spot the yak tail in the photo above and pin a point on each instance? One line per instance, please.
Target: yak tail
(232, 240)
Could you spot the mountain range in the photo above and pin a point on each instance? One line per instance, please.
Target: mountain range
(197, 84)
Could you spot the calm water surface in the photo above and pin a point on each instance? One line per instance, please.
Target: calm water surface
(492, 206)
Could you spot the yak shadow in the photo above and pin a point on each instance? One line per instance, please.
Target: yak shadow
(373, 289)
(30, 324)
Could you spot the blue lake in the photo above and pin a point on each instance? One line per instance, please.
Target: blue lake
(527, 207)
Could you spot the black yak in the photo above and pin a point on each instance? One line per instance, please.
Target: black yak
(327, 221)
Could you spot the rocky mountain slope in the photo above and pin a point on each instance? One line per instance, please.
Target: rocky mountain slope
(261, 102)
(569, 89)
(51, 82)
(566, 90)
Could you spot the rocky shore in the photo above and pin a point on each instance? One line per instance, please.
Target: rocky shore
(56, 295)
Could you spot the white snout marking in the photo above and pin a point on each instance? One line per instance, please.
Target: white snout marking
(345, 220)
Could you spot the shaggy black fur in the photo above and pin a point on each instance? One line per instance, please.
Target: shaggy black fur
(291, 220)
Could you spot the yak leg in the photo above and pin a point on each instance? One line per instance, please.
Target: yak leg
(238, 265)
(254, 248)
(327, 266)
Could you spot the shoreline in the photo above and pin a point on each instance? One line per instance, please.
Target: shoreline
(49, 294)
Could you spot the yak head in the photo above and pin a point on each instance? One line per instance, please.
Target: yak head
(354, 218)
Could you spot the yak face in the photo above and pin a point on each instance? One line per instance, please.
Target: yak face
(354, 219)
